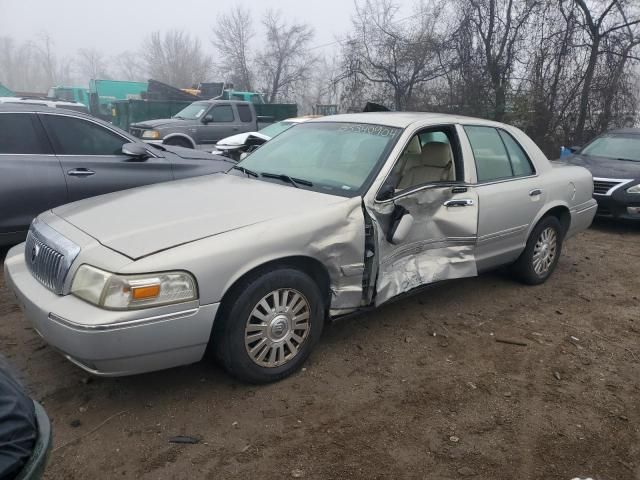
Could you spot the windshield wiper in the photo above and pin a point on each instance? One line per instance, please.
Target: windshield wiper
(246, 171)
(179, 117)
(296, 182)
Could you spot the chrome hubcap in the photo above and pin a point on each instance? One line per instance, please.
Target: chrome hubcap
(277, 327)
(545, 250)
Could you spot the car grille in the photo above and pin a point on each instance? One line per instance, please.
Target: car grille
(605, 186)
(49, 255)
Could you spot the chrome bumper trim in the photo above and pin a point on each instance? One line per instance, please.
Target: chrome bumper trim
(120, 325)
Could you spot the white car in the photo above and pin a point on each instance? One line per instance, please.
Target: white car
(45, 102)
(236, 145)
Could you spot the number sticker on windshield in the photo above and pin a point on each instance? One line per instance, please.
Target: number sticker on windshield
(368, 129)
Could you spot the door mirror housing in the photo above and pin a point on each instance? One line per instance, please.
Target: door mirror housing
(135, 150)
(207, 119)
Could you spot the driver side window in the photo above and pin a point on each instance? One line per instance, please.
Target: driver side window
(428, 158)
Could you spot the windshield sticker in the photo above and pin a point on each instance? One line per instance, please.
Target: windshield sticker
(200, 112)
(377, 130)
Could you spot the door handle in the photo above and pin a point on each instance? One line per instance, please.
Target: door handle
(463, 202)
(535, 192)
(80, 172)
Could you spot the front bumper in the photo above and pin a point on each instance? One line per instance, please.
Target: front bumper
(620, 205)
(111, 343)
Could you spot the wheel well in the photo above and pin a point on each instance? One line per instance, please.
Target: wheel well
(563, 215)
(312, 267)
(179, 137)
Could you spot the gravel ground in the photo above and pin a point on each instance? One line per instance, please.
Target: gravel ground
(421, 388)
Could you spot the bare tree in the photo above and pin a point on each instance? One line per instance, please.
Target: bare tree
(128, 66)
(231, 37)
(286, 60)
(92, 64)
(176, 58)
(599, 26)
(499, 25)
(396, 54)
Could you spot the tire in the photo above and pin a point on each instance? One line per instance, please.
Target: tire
(179, 142)
(542, 252)
(260, 345)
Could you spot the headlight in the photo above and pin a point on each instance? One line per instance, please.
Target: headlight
(127, 292)
(151, 134)
(634, 189)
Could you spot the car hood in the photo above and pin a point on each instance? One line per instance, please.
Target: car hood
(604, 167)
(187, 153)
(240, 139)
(145, 220)
(158, 123)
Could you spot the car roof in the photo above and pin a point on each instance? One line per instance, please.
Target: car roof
(632, 131)
(34, 107)
(37, 100)
(401, 119)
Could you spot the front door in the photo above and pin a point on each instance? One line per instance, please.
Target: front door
(218, 123)
(426, 216)
(92, 159)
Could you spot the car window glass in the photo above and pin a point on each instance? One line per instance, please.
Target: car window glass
(222, 113)
(18, 135)
(336, 157)
(492, 161)
(519, 159)
(75, 136)
(427, 158)
(244, 111)
(620, 146)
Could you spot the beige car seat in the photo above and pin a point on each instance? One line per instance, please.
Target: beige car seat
(434, 164)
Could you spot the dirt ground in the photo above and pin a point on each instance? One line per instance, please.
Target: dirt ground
(419, 389)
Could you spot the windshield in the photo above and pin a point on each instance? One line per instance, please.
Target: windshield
(276, 128)
(335, 158)
(620, 146)
(193, 111)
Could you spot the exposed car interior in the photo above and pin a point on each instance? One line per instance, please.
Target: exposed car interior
(427, 158)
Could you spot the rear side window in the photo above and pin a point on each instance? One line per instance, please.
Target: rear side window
(519, 159)
(18, 135)
(222, 113)
(245, 113)
(75, 136)
(492, 160)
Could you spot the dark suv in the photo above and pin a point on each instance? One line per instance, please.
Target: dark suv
(49, 157)
(199, 125)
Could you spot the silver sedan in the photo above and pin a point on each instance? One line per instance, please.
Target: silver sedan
(333, 216)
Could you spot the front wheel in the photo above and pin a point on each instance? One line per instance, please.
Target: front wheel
(542, 252)
(269, 326)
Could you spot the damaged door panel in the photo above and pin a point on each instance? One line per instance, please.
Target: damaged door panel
(438, 246)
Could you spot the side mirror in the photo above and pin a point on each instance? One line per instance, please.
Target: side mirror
(135, 150)
(207, 119)
(575, 148)
(402, 229)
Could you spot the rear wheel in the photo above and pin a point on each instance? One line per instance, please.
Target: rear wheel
(269, 326)
(179, 142)
(540, 257)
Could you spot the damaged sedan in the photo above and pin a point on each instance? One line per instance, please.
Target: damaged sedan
(340, 214)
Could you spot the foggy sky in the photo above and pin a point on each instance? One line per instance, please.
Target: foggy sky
(113, 26)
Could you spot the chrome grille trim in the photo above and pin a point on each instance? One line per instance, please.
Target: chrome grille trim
(49, 255)
(606, 186)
